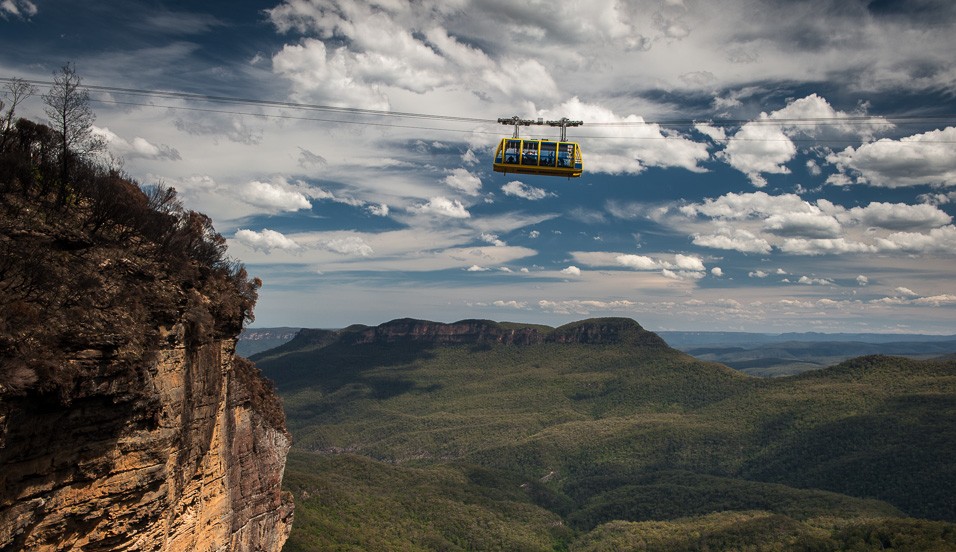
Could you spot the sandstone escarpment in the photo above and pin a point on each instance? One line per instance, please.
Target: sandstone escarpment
(181, 456)
(126, 420)
(482, 332)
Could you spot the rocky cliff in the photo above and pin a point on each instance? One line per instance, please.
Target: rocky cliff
(126, 420)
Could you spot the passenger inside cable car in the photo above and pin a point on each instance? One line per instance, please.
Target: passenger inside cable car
(540, 157)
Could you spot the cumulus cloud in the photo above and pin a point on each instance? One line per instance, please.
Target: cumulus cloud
(493, 239)
(898, 216)
(571, 271)
(757, 149)
(380, 210)
(630, 144)
(928, 158)
(266, 240)
(384, 47)
(583, 306)
(824, 246)
(765, 145)
(638, 262)
(274, 197)
(512, 304)
(812, 281)
(736, 239)
(937, 240)
(476, 268)
(349, 245)
(524, 191)
(138, 147)
(442, 206)
(759, 223)
(17, 8)
(717, 272)
(464, 181)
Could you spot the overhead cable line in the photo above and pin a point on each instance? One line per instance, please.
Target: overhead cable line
(813, 121)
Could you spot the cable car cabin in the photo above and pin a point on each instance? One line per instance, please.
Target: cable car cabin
(541, 157)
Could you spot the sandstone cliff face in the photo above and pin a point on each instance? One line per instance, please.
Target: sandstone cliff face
(126, 420)
(186, 453)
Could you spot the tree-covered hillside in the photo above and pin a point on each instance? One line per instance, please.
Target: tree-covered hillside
(606, 444)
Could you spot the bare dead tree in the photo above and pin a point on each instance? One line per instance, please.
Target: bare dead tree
(16, 91)
(68, 107)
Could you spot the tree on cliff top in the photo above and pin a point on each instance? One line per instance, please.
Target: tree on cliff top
(68, 107)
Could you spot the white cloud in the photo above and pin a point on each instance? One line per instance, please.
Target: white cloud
(811, 281)
(266, 240)
(810, 225)
(137, 148)
(688, 262)
(759, 223)
(476, 268)
(380, 210)
(939, 240)
(824, 246)
(519, 189)
(758, 274)
(17, 8)
(571, 271)
(899, 216)
(736, 239)
(765, 145)
(464, 181)
(629, 144)
(349, 245)
(274, 197)
(862, 280)
(511, 304)
(493, 239)
(717, 272)
(928, 158)
(443, 206)
(717, 134)
(759, 204)
(638, 262)
(583, 307)
(757, 149)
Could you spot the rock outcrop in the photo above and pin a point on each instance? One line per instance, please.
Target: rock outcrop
(185, 454)
(127, 422)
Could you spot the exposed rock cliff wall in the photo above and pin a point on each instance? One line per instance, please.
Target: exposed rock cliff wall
(126, 420)
(186, 453)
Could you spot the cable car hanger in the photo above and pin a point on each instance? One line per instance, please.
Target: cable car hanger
(539, 156)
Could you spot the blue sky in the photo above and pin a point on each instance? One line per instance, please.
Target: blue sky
(749, 165)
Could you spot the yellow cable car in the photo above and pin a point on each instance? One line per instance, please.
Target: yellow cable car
(540, 157)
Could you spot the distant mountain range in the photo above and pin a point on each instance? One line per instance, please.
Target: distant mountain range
(597, 435)
(761, 354)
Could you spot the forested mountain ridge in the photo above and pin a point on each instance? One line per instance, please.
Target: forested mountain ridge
(554, 443)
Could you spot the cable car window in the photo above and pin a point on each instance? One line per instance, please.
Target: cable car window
(529, 155)
(547, 153)
(565, 155)
(511, 151)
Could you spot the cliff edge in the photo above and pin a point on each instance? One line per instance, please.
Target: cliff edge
(127, 422)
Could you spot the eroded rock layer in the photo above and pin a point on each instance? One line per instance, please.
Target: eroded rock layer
(185, 453)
